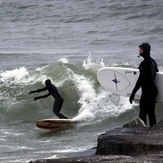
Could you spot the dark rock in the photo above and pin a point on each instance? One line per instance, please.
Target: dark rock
(127, 144)
(90, 152)
(94, 159)
(136, 122)
(131, 140)
(149, 158)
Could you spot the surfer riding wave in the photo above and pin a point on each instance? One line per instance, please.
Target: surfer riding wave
(53, 90)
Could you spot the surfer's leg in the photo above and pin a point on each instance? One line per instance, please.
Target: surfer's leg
(152, 118)
(151, 105)
(142, 116)
(60, 103)
(142, 112)
(151, 113)
(57, 107)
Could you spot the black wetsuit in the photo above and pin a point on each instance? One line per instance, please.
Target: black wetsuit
(148, 69)
(57, 96)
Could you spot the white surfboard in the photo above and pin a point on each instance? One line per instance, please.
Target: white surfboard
(122, 81)
(51, 124)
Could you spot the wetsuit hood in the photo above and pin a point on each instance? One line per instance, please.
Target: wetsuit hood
(48, 82)
(146, 49)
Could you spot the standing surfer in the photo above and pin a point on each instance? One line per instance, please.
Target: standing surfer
(53, 90)
(147, 69)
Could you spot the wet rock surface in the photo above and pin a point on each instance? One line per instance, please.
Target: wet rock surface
(131, 140)
(136, 143)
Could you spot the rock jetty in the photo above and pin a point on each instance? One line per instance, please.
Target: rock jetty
(134, 142)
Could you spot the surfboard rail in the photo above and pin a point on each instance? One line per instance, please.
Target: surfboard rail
(50, 124)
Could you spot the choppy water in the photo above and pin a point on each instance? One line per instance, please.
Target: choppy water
(68, 41)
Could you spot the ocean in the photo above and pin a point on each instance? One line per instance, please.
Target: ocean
(68, 42)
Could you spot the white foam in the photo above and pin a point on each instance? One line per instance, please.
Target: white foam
(17, 75)
(88, 63)
(102, 106)
(22, 75)
(63, 60)
(97, 105)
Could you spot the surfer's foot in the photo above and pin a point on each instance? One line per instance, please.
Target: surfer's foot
(62, 117)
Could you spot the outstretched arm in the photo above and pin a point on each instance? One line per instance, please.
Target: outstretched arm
(38, 90)
(43, 96)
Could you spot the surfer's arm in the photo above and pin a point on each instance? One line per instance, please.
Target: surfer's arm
(137, 86)
(43, 96)
(143, 68)
(38, 90)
